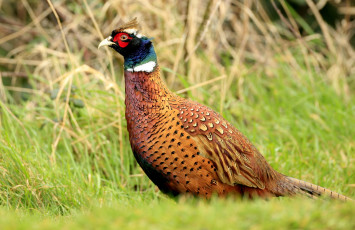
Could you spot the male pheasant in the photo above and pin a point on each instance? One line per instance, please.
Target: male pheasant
(186, 147)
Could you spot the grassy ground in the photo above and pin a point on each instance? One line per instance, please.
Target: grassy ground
(192, 214)
(65, 160)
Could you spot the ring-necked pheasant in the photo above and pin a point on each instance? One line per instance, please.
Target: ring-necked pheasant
(186, 147)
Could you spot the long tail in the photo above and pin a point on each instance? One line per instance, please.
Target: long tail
(303, 187)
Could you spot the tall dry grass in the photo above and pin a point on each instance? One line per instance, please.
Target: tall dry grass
(52, 45)
(58, 157)
(44, 39)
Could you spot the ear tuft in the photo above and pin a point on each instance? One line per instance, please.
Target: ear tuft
(132, 25)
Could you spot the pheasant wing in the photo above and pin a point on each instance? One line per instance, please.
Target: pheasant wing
(236, 160)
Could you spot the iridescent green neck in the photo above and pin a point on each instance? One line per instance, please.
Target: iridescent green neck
(144, 59)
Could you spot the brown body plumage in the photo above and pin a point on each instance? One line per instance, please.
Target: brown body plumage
(186, 147)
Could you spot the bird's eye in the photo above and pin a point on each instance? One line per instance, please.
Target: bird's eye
(124, 37)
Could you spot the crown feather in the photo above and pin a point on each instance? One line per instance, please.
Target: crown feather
(130, 26)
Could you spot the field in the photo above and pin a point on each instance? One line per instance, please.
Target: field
(284, 79)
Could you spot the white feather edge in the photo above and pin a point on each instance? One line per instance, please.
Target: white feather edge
(133, 31)
(146, 67)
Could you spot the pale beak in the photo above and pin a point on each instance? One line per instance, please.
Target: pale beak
(106, 42)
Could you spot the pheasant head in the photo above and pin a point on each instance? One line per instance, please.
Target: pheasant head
(137, 49)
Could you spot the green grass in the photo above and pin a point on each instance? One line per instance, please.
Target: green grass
(192, 214)
(304, 130)
(66, 163)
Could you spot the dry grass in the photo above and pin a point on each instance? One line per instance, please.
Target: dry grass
(222, 53)
(54, 45)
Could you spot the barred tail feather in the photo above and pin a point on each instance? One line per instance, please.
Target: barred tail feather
(314, 191)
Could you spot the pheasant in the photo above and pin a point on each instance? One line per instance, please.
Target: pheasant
(185, 147)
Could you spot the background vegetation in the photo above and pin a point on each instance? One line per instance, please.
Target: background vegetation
(281, 71)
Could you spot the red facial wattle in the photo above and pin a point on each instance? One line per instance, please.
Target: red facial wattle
(122, 42)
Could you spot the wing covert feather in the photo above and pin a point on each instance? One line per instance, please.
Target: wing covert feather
(236, 160)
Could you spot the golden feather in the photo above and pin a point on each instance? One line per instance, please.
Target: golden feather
(131, 25)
